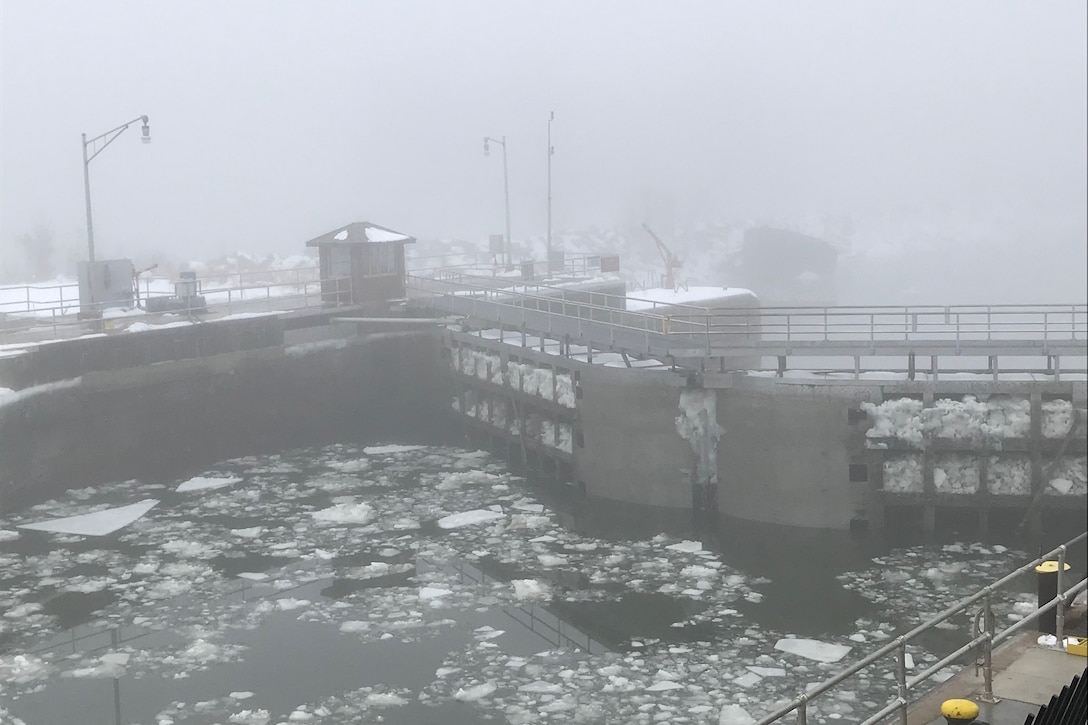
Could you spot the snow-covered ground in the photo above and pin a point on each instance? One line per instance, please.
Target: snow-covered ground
(271, 277)
(417, 555)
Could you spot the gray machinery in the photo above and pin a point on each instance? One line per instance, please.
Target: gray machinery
(186, 297)
(104, 283)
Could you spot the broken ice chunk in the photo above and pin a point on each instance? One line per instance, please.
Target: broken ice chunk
(468, 518)
(99, 523)
(206, 483)
(813, 649)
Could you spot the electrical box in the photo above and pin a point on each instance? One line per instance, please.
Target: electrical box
(104, 283)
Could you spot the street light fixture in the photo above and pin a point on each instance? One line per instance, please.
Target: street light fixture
(505, 186)
(551, 152)
(107, 138)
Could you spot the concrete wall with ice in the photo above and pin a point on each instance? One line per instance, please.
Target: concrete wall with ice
(786, 453)
(145, 421)
(982, 443)
(632, 450)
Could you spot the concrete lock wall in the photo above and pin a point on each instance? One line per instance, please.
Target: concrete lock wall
(784, 455)
(632, 451)
(144, 421)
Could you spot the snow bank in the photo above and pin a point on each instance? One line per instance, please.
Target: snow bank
(9, 396)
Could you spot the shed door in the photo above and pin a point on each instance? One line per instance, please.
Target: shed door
(339, 262)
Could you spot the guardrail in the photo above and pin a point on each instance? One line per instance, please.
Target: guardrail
(489, 266)
(219, 301)
(989, 638)
(956, 323)
(53, 300)
(711, 332)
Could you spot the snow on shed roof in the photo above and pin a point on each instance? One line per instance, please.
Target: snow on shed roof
(360, 233)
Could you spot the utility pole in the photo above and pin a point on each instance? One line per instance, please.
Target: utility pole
(505, 186)
(506, 194)
(108, 138)
(551, 152)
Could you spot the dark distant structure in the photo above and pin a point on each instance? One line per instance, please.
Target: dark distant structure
(787, 268)
(361, 263)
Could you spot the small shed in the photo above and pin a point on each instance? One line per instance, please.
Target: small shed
(361, 262)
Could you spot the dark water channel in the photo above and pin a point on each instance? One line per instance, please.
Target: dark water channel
(323, 586)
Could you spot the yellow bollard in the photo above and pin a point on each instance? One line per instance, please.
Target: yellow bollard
(959, 712)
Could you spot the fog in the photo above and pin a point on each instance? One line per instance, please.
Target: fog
(273, 122)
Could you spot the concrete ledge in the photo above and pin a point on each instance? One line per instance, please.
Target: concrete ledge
(1026, 675)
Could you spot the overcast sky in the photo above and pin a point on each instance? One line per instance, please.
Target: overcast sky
(275, 121)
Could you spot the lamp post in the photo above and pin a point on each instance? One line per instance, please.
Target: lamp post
(505, 187)
(551, 152)
(109, 137)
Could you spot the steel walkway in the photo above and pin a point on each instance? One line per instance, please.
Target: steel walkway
(713, 338)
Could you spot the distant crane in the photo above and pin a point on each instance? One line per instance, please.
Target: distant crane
(672, 262)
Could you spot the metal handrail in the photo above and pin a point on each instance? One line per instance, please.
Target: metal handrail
(818, 330)
(504, 298)
(573, 262)
(848, 323)
(29, 303)
(230, 297)
(988, 640)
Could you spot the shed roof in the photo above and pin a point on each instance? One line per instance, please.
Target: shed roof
(360, 233)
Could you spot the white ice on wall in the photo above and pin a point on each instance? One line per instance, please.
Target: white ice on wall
(1009, 475)
(1070, 477)
(969, 419)
(903, 474)
(548, 436)
(899, 418)
(698, 425)
(1057, 418)
(541, 382)
(956, 473)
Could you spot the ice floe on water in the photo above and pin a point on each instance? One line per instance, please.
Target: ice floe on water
(205, 483)
(433, 553)
(812, 649)
(97, 523)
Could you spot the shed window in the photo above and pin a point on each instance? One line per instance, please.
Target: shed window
(381, 259)
(339, 261)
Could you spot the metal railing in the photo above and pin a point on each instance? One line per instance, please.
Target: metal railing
(59, 320)
(667, 327)
(957, 323)
(488, 266)
(53, 300)
(985, 641)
